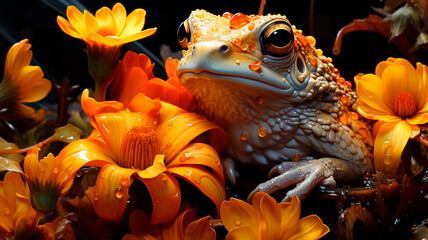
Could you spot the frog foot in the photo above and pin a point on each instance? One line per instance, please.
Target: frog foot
(229, 170)
(305, 174)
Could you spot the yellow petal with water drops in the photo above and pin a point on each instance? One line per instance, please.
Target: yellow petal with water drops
(90, 22)
(68, 28)
(309, 228)
(370, 91)
(200, 229)
(119, 13)
(77, 20)
(138, 35)
(199, 154)
(134, 23)
(91, 107)
(9, 146)
(111, 191)
(290, 212)
(389, 144)
(244, 232)
(236, 213)
(141, 227)
(157, 168)
(106, 22)
(395, 80)
(166, 197)
(9, 165)
(270, 211)
(184, 128)
(204, 180)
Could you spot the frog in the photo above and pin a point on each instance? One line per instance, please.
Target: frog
(286, 109)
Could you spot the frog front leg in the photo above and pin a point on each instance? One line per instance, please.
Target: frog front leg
(306, 175)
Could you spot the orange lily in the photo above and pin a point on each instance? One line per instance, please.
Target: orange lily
(184, 226)
(266, 219)
(21, 82)
(134, 75)
(396, 97)
(17, 217)
(47, 178)
(104, 34)
(149, 141)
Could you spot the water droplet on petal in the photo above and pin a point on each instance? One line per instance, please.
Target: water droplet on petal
(55, 170)
(103, 174)
(164, 177)
(96, 196)
(262, 132)
(388, 159)
(238, 221)
(119, 192)
(6, 211)
(170, 124)
(124, 182)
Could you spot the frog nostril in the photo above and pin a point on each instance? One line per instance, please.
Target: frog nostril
(223, 48)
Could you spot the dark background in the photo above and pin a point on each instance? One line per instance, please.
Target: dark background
(60, 55)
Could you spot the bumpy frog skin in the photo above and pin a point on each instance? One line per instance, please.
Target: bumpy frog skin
(283, 104)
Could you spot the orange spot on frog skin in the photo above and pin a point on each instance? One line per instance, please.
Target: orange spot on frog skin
(239, 20)
(313, 61)
(251, 26)
(344, 99)
(344, 119)
(302, 39)
(255, 66)
(348, 84)
(227, 15)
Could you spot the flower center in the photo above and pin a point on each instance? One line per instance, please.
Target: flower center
(404, 105)
(139, 148)
(105, 32)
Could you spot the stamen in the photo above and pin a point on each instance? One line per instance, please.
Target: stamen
(139, 148)
(404, 105)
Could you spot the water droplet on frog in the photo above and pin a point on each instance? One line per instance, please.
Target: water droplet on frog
(119, 192)
(260, 100)
(255, 66)
(238, 221)
(262, 132)
(237, 61)
(244, 136)
(124, 182)
(6, 211)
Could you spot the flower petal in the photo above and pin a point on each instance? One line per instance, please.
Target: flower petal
(236, 213)
(139, 35)
(90, 22)
(111, 191)
(310, 227)
(140, 226)
(290, 212)
(171, 67)
(166, 197)
(18, 56)
(106, 21)
(182, 129)
(147, 107)
(421, 97)
(135, 83)
(270, 211)
(199, 154)
(68, 28)
(368, 111)
(395, 80)
(244, 232)
(370, 91)
(174, 229)
(157, 168)
(200, 229)
(134, 23)
(204, 180)
(77, 20)
(391, 138)
(119, 13)
(91, 107)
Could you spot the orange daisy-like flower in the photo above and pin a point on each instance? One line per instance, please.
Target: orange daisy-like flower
(17, 218)
(266, 219)
(184, 226)
(21, 82)
(47, 178)
(134, 75)
(149, 141)
(104, 34)
(396, 97)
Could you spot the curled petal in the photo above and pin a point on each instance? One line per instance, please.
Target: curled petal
(91, 107)
(270, 211)
(157, 168)
(141, 227)
(146, 106)
(290, 212)
(204, 180)
(166, 197)
(236, 213)
(171, 67)
(200, 229)
(18, 56)
(174, 229)
(370, 91)
(111, 191)
(310, 227)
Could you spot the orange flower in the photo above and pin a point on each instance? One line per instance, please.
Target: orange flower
(396, 97)
(104, 35)
(149, 141)
(134, 75)
(17, 217)
(47, 178)
(21, 82)
(266, 219)
(184, 226)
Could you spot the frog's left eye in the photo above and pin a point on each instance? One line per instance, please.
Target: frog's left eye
(183, 34)
(277, 39)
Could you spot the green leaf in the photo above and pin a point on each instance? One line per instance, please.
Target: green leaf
(68, 133)
(401, 19)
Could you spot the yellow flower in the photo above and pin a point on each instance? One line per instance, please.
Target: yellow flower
(47, 178)
(104, 34)
(17, 218)
(396, 97)
(21, 82)
(184, 226)
(149, 141)
(266, 219)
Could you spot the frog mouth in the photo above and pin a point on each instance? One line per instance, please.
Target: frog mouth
(230, 78)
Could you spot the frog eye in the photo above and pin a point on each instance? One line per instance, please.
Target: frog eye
(278, 39)
(183, 34)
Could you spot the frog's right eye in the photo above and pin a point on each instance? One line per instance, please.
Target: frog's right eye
(183, 34)
(277, 39)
